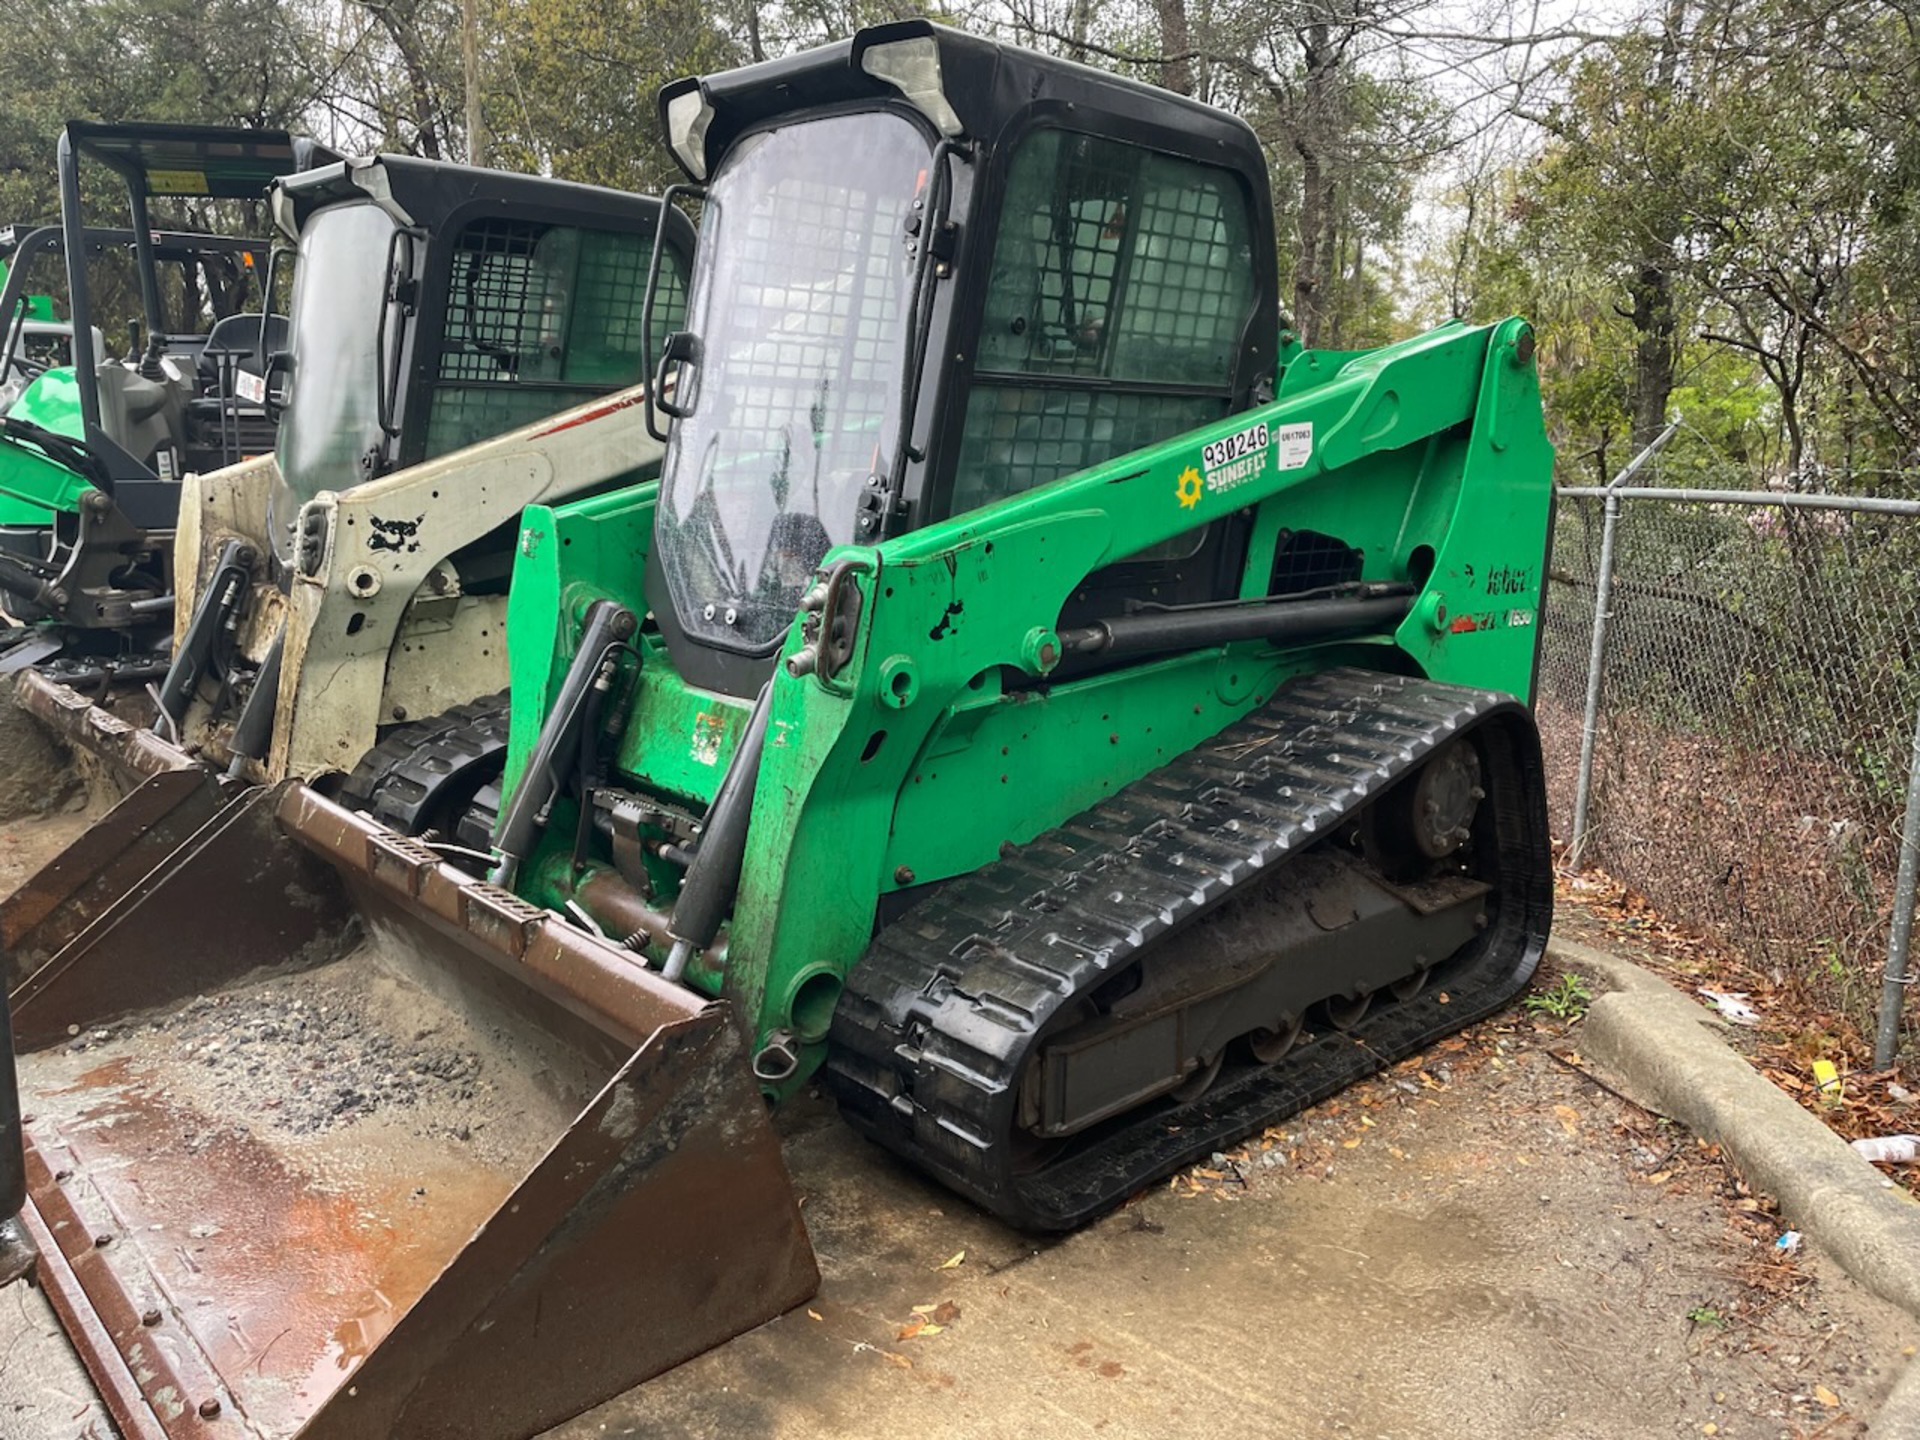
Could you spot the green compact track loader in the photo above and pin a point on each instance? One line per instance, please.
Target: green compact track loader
(1036, 696)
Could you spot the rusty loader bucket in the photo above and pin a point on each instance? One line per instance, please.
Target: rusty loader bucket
(325, 1139)
(164, 797)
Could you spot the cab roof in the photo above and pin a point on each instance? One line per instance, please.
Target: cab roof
(218, 162)
(978, 90)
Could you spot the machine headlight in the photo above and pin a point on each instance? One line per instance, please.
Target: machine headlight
(913, 68)
(688, 116)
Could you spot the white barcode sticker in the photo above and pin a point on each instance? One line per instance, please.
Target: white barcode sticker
(1295, 445)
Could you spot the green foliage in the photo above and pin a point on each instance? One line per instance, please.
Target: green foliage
(1566, 999)
(575, 81)
(1706, 1317)
(1721, 223)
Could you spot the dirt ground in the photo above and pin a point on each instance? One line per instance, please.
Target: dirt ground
(1484, 1242)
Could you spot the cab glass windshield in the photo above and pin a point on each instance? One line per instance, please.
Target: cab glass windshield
(799, 302)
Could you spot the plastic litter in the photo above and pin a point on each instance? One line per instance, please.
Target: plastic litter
(1732, 1005)
(1828, 1080)
(1788, 1243)
(1890, 1149)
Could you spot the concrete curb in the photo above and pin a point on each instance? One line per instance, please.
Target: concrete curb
(1664, 1048)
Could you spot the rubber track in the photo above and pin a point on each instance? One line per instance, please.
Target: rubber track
(944, 1008)
(405, 781)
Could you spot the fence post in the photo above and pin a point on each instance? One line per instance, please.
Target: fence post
(1596, 657)
(1886, 1038)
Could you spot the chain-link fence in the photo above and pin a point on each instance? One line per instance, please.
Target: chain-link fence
(1755, 718)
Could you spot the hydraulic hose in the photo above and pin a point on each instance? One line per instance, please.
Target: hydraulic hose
(554, 754)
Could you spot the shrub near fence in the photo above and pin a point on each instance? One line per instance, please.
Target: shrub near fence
(1755, 726)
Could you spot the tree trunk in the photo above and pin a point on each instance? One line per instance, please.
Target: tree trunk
(1081, 22)
(1654, 349)
(1314, 259)
(426, 128)
(470, 66)
(1175, 43)
(1653, 352)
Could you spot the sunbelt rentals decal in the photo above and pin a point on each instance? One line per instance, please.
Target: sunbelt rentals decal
(1232, 461)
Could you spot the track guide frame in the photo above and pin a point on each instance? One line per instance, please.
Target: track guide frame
(948, 1003)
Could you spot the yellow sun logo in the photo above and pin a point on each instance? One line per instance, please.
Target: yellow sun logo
(1189, 488)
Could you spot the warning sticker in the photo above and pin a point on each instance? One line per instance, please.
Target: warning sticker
(1296, 445)
(176, 182)
(251, 388)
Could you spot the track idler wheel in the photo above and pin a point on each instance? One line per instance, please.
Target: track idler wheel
(1411, 986)
(1270, 1045)
(1344, 1012)
(1200, 1079)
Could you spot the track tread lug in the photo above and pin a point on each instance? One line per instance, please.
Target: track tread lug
(1023, 935)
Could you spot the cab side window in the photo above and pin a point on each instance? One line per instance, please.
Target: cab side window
(542, 317)
(1121, 289)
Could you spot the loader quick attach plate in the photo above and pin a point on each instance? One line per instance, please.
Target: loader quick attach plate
(329, 1140)
(950, 1002)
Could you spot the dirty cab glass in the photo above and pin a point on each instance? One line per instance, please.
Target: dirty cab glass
(332, 415)
(799, 301)
(1122, 284)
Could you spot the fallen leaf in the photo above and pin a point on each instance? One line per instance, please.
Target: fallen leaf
(923, 1309)
(1569, 1118)
(900, 1360)
(946, 1313)
(953, 1261)
(1659, 1177)
(1206, 1174)
(912, 1328)
(1521, 1160)
(1349, 1144)
(813, 1315)
(1825, 1396)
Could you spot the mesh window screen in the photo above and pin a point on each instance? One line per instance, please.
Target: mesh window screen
(1112, 263)
(496, 302)
(542, 317)
(1117, 263)
(609, 295)
(1018, 436)
(1190, 286)
(1309, 560)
